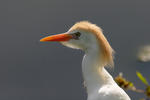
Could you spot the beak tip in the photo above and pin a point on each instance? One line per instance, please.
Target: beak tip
(41, 40)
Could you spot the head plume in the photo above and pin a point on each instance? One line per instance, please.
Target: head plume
(106, 52)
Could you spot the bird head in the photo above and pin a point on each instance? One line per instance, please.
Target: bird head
(85, 35)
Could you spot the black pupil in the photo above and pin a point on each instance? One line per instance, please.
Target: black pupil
(78, 34)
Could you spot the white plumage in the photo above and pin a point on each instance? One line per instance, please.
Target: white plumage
(98, 53)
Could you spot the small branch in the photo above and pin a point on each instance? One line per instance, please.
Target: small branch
(139, 91)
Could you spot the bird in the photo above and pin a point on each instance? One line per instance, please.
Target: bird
(99, 54)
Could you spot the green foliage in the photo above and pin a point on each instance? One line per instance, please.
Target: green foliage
(142, 78)
(148, 91)
(124, 83)
(128, 85)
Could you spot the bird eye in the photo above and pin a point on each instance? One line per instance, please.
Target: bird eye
(77, 35)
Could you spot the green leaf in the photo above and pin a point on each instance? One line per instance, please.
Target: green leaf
(142, 78)
(131, 84)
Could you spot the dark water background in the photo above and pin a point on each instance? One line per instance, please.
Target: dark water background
(30, 70)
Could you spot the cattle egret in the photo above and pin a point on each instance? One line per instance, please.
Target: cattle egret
(98, 54)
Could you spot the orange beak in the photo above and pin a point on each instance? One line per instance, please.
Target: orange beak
(58, 37)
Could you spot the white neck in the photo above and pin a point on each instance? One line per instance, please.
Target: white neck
(94, 75)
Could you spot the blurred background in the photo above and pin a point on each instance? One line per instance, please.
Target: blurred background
(30, 70)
